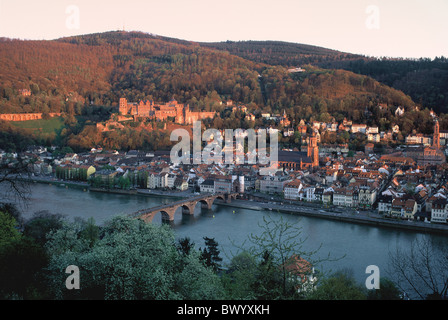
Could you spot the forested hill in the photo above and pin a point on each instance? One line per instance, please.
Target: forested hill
(281, 53)
(424, 80)
(97, 69)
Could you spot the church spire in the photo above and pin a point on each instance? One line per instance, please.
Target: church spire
(436, 136)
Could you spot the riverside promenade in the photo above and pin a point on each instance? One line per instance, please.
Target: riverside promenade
(342, 215)
(347, 215)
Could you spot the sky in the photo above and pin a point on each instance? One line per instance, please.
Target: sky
(392, 28)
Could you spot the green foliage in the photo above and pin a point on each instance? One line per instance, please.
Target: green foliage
(89, 231)
(130, 260)
(185, 246)
(267, 257)
(21, 262)
(8, 231)
(240, 278)
(210, 254)
(387, 291)
(124, 183)
(339, 286)
(41, 223)
(13, 139)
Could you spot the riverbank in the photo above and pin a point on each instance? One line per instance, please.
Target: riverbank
(117, 191)
(376, 221)
(165, 193)
(53, 181)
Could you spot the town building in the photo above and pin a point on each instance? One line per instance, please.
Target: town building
(439, 210)
(223, 184)
(208, 186)
(292, 190)
(274, 183)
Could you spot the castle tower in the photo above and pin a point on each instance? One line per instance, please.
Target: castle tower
(313, 149)
(180, 114)
(436, 136)
(123, 106)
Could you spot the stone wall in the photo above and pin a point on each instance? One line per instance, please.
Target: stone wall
(24, 116)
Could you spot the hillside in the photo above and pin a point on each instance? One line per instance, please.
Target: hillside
(280, 53)
(97, 69)
(84, 76)
(56, 73)
(424, 80)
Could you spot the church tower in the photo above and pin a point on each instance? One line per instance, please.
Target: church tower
(436, 136)
(313, 149)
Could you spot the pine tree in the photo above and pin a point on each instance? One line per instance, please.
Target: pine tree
(210, 255)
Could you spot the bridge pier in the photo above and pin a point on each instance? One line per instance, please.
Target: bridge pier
(187, 206)
(206, 205)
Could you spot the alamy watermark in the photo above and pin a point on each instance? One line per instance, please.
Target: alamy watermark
(72, 22)
(373, 18)
(233, 151)
(373, 280)
(72, 281)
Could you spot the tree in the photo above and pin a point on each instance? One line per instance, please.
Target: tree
(42, 223)
(210, 254)
(10, 174)
(240, 277)
(130, 260)
(271, 283)
(8, 231)
(422, 271)
(124, 183)
(387, 291)
(272, 249)
(90, 231)
(21, 262)
(339, 286)
(185, 245)
(46, 116)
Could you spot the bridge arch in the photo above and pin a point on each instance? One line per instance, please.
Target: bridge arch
(186, 206)
(165, 215)
(222, 197)
(206, 203)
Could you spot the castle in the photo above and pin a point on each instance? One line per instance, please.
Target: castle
(180, 112)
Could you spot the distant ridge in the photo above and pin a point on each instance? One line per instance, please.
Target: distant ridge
(280, 52)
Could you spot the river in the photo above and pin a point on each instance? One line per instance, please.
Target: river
(359, 245)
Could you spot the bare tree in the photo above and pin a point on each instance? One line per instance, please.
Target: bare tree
(14, 180)
(281, 242)
(422, 271)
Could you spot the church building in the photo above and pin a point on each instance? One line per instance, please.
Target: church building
(299, 160)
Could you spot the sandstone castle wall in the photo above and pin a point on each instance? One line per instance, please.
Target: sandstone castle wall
(24, 116)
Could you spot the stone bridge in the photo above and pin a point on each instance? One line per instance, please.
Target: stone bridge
(188, 205)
